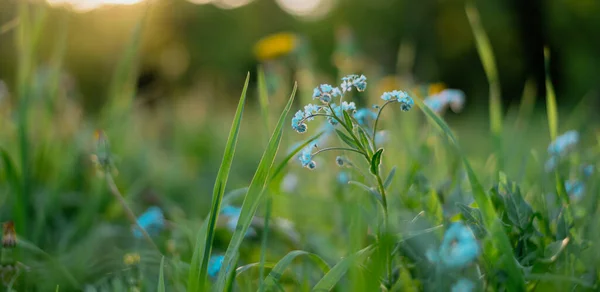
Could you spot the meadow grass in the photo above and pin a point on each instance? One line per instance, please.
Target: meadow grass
(431, 207)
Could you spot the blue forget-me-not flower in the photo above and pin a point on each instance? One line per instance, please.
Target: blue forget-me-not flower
(152, 221)
(560, 147)
(463, 285)
(365, 116)
(214, 265)
(458, 249)
(343, 177)
(358, 82)
(575, 189)
(233, 216)
(452, 98)
(406, 102)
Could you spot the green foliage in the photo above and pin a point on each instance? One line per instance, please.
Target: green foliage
(219, 190)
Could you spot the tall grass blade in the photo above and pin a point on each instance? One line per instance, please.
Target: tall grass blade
(201, 236)
(527, 103)
(161, 276)
(284, 162)
(263, 98)
(503, 255)
(255, 191)
(281, 266)
(484, 48)
(551, 107)
(337, 272)
(218, 191)
(265, 237)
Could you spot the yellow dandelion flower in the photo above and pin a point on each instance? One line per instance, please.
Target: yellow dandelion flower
(435, 88)
(275, 45)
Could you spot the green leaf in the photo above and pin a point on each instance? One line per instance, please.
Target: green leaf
(500, 251)
(371, 191)
(390, 178)
(197, 282)
(161, 276)
(277, 271)
(484, 48)
(263, 97)
(20, 203)
(348, 120)
(336, 273)
(349, 141)
(259, 182)
(551, 106)
(474, 219)
(364, 140)
(265, 235)
(376, 161)
(553, 250)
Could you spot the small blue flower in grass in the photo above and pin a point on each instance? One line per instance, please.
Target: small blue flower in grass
(214, 265)
(343, 177)
(459, 247)
(358, 82)
(463, 285)
(406, 102)
(233, 215)
(306, 156)
(364, 116)
(298, 122)
(575, 189)
(588, 170)
(338, 111)
(564, 143)
(325, 93)
(152, 221)
(453, 98)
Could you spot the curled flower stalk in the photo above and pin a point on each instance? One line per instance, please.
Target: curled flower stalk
(357, 128)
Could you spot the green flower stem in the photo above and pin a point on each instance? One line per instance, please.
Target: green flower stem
(131, 216)
(377, 121)
(338, 148)
(362, 148)
(385, 227)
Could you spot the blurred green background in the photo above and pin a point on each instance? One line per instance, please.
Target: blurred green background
(188, 45)
(72, 73)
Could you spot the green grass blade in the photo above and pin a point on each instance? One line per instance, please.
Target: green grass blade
(263, 97)
(484, 48)
(255, 191)
(201, 236)
(551, 107)
(281, 266)
(291, 155)
(337, 272)
(265, 237)
(503, 255)
(14, 182)
(527, 103)
(161, 276)
(218, 191)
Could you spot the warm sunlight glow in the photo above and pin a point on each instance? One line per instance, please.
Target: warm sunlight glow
(230, 4)
(87, 5)
(306, 8)
(200, 1)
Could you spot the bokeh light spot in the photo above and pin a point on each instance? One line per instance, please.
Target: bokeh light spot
(87, 5)
(306, 8)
